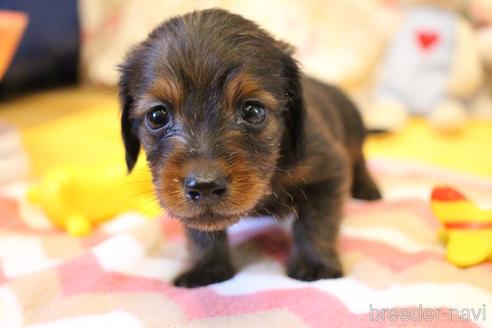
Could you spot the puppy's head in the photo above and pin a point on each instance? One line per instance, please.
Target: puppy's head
(216, 103)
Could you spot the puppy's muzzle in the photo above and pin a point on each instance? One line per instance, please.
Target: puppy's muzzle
(206, 185)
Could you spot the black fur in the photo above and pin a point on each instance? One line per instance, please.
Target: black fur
(304, 160)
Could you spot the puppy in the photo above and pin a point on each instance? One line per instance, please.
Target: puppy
(232, 128)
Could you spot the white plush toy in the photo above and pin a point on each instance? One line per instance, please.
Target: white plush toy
(480, 12)
(430, 68)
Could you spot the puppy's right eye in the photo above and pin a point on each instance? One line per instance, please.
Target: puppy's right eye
(253, 112)
(157, 117)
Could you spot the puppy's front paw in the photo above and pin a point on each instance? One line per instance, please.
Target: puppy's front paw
(202, 276)
(308, 270)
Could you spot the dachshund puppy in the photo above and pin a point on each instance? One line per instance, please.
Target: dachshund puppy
(232, 128)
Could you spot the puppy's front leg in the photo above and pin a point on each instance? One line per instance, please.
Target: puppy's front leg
(211, 259)
(314, 255)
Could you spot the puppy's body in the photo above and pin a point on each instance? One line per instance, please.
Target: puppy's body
(315, 189)
(235, 115)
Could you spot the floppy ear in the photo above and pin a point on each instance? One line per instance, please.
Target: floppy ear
(293, 143)
(128, 124)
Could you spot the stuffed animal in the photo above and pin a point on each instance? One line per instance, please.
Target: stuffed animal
(430, 68)
(466, 228)
(76, 198)
(480, 12)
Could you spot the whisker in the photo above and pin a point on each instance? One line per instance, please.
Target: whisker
(302, 192)
(288, 194)
(295, 212)
(144, 193)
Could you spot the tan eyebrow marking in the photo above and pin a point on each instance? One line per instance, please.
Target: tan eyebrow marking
(168, 90)
(244, 86)
(160, 90)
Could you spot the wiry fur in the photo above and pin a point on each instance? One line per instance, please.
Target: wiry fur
(304, 160)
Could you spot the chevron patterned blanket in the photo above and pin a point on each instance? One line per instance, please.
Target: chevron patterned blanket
(396, 274)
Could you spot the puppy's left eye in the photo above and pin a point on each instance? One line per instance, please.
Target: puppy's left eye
(253, 112)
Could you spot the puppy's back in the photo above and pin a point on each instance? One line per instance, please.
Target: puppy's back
(330, 111)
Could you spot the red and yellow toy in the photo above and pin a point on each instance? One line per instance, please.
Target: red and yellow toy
(466, 227)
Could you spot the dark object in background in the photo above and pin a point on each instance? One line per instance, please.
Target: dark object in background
(48, 54)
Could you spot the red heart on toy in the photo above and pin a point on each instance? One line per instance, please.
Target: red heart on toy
(427, 39)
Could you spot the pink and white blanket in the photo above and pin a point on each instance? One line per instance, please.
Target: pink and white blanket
(120, 276)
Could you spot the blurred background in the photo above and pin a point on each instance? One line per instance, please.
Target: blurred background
(420, 70)
(421, 74)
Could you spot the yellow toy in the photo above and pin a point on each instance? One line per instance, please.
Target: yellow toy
(76, 198)
(466, 228)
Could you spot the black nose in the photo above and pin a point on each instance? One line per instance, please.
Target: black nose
(211, 186)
